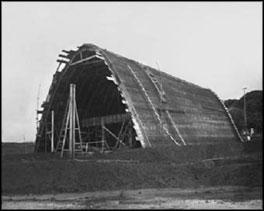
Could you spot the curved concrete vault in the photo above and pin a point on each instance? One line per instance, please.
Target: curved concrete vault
(158, 109)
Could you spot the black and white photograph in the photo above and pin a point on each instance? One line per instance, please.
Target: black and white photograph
(132, 105)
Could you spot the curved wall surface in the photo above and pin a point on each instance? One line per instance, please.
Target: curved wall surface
(165, 110)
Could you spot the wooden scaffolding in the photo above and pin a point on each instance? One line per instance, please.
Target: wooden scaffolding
(68, 141)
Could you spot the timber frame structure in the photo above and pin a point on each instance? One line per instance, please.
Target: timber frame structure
(131, 104)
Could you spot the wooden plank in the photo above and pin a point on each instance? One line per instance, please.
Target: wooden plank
(66, 125)
(229, 117)
(157, 86)
(52, 131)
(64, 56)
(86, 59)
(73, 120)
(62, 61)
(71, 126)
(112, 134)
(78, 123)
(103, 133)
(175, 127)
(96, 121)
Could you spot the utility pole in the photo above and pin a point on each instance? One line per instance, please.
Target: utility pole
(24, 139)
(37, 120)
(245, 114)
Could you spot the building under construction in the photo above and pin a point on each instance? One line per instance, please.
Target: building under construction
(122, 103)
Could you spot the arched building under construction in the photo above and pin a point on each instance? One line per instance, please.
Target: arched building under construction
(140, 106)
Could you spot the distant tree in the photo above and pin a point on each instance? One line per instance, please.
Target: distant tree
(253, 110)
(238, 117)
(229, 103)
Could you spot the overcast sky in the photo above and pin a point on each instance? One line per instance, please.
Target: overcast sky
(216, 45)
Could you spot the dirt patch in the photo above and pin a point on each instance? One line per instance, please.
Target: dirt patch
(170, 198)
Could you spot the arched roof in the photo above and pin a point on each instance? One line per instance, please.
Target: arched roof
(164, 109)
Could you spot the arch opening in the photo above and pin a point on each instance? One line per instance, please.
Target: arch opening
(99, 105)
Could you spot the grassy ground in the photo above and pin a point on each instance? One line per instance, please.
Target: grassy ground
(190, 166)
(17, 148)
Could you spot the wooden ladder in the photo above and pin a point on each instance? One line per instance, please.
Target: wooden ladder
(229, 117)
(163, 100)
(64, 129)
(152, 106)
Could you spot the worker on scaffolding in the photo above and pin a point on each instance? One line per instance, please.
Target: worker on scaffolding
(248, 134)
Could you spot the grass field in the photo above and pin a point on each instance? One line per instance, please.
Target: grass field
(209, 176)
(17, 148)
(190, 166)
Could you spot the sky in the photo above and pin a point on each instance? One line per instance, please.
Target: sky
(216, 45)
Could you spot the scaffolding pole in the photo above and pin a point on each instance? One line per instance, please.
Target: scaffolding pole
(52, 131)
(73, 120)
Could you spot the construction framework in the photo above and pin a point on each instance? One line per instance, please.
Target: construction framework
(122, 103)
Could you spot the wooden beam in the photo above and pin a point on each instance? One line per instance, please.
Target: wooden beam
(69, 52)
(73, 120)
(64, 56)
(103, 134)
(52, 131)
(130, 139)
(87, 59)
(78, 122)
(71, 126)
(65, 51)
(65, 129)
(175, 127)
(96, 121)
(62, 61)
(157, 85)
(112, 134)
(120, 132)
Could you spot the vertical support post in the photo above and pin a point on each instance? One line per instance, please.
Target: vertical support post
(130, 135)
(72, 117)
(103, 134)
(52, 131)
(245, 113)
(37, 120)
(78, 122)
(73, 121)
(66, 129)
(46, 139)
(71, 129)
